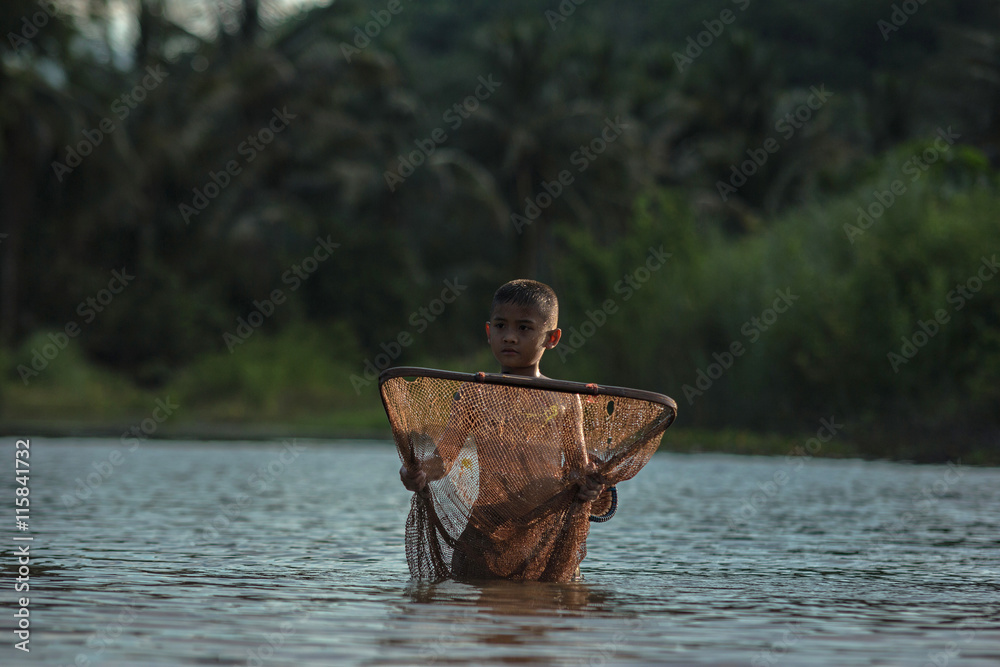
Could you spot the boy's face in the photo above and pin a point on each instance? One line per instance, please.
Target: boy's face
(518, 336)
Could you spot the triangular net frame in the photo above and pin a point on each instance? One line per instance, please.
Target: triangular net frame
(505, 455)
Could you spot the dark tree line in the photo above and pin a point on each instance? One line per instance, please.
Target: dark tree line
(158, 152)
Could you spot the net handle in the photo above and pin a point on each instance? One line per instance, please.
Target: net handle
(564, 386)
(611, 512)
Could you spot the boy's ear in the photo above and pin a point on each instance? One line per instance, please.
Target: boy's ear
(487, 332)
(552, 339)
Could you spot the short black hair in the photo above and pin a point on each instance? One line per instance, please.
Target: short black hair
(523, 292)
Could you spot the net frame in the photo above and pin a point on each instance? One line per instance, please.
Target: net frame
(563, 386)
(425, 533)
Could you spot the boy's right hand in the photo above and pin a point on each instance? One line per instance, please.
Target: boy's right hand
(416, 482)
(591, 487)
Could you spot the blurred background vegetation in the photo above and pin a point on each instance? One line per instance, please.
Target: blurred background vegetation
(360, 102)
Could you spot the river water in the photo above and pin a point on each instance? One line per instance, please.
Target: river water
(198, 553)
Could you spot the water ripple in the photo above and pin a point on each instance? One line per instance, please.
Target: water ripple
(192, 553)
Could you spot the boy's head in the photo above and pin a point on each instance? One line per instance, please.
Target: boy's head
(523, 324)
(530, 293)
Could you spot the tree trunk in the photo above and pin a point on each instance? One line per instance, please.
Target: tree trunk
(251, 20)
(17, 190)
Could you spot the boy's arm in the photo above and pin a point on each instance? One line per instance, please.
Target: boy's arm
(445, 452)
(447, 449)
(574, 442)
(577, 459)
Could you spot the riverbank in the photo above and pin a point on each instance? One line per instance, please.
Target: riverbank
(296, 391)
(371, 425)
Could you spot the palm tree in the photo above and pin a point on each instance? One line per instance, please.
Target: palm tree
(553, 100)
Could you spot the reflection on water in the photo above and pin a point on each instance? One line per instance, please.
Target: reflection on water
(271, 554)
(513, 598)
(517, 617)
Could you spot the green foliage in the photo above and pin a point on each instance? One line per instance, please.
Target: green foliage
(853, 305)
(297, 377)
(43, 378)
(210, 228)
(301, 371)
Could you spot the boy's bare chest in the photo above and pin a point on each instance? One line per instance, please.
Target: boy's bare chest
(537, 414)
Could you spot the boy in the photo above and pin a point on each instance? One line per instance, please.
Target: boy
(510, 435)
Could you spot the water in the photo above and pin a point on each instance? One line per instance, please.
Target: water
(191, 553)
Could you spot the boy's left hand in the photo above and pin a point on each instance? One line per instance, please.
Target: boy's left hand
(416, 481)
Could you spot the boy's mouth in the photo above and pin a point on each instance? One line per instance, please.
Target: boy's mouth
(508, 350)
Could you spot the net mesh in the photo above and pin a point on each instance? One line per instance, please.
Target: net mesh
(505, 461)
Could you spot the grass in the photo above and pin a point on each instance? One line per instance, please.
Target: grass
(279, 390)
(298, 384)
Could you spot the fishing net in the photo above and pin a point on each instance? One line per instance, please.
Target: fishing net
(504, 456)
